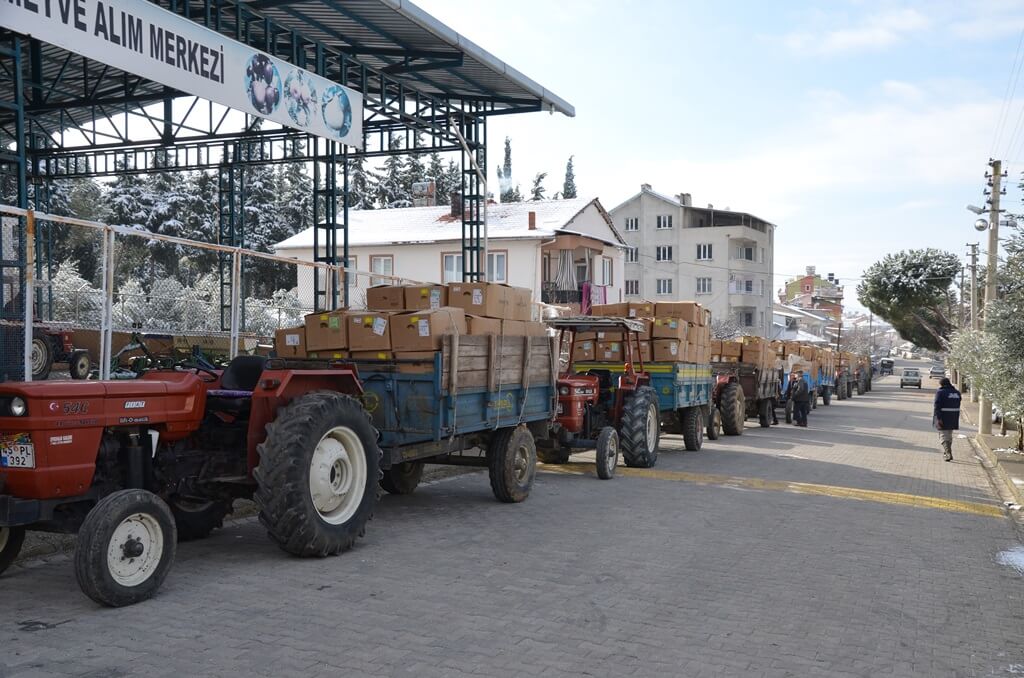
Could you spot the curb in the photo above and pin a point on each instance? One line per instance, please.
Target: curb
(1004, 488)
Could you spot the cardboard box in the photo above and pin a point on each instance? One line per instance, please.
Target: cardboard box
(329, 355)
(646, 352)
(420, 297)
(584, 350)
(369, 331)
(701, 334)
(478, 325)
(611, 335)
(490, 300)
(716, 347)
(667, 350)
(326, 331)
(522, 304)
(371, 355)
(424, 361)
(706, 320)
(385, 298)
(290, 343)
(669, 328)
(732, 348)
(640, 309)
(610, 310)
(609, 351)
(523, 328)
(807, 352)
(422, 330)
(689, 311)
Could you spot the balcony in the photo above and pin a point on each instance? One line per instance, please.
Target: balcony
(561, 297)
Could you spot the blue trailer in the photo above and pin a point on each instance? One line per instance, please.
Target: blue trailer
(821, 383)
(480, 401)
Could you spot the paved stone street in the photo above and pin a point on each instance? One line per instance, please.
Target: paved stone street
(845, 549)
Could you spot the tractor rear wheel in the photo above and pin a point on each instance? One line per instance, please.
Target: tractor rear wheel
(512, 463)
(402, 478)
(11, 539)
(764, 413)
(125, 548)
(849, 389)
(607, 453)
(860, 387)
(714, 420)
(42, 356)
(79, 364)
(693, 428)
(734, 409)
(196, 517)
(640, 429)
(317, 476)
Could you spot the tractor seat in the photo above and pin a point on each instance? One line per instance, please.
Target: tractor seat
(237, 384)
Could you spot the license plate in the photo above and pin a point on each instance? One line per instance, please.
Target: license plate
(20, 455)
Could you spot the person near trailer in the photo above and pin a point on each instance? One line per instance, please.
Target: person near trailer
(800, 394)
(946, 415)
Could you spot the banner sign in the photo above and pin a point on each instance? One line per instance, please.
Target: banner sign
(147, 40)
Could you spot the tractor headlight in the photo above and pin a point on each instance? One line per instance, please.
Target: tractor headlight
(563, 390)
(18, 407)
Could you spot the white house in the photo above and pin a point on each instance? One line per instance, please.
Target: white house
(722, 258)
(551, 246)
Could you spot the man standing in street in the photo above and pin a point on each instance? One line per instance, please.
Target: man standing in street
(946, 416)
(801, 397)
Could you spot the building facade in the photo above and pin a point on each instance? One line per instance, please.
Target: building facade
(814, 291)
(721, 258)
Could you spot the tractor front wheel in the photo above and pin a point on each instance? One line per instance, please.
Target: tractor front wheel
(714, 431)
(11, 539)
(512, 463)
(42, 356)
(318, 473)
(79, 364)
(607, 453)
(125, 548)
(196, 517)
(641, 429)
(734, 409)
(402, 478)
(693, 428)
(826, 397)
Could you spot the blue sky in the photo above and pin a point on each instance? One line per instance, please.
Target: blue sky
(859, 127)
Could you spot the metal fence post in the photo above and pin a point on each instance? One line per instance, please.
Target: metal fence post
(236, 284)
(107, 322)
(29, 289)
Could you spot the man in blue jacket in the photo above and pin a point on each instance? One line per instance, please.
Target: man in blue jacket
(946, 416)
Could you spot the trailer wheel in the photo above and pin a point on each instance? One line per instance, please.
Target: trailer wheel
(714, 431)
(512, 463)
(789, 411)
(79, 364)
(764, 413)
(317, 476)
(402, 478)
(42, 356)
(559, 455)
(196, 517)
(607, 453)
(641, 429)
(860, 387)
(734, 409)
(11, 539)
(826, 397)
(849, 389)
(125, 548)
(693, 428)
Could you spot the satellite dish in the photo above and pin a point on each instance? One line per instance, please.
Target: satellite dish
(980, 225)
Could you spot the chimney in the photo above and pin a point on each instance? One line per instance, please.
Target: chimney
(684, 199)
(645, 187)
(533, 221)
(456, 203)
(710, 206)
(811, 270)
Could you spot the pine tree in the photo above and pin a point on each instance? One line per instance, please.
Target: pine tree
(170, 203)
(264, 227)
(435, 173)
(452, 180)
(412, 168)
(569, 186)
(360, 184)
(201, 224)
(296, 193)
(508, 194)
(130, 203)
(537, 192)
(388, 182)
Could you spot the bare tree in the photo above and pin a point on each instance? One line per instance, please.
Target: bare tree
(725, 328)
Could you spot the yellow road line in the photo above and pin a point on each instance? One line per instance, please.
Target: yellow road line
(899, 498)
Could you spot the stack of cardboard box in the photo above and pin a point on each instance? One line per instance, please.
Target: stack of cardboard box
(678, 331)
(408, 322)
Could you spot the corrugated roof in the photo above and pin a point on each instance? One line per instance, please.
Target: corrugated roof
(436, 224)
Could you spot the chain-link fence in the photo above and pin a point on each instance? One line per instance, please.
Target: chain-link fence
(98, 288)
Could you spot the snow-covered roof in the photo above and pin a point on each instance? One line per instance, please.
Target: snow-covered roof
(797, 312)
(780, 333)
(505, 221)
(674, 200)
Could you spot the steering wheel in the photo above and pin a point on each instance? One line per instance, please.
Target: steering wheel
(199, 368)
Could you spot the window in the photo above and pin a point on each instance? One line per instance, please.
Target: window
(663, 221)
(497, 266)
(703, 285)
(632, 255)
(582, 271)
(762, 255)
(704, 252)
(760, 319)
(664, 285)
(663, 253)
(632, 288)
(452, 267)
(748, 286)
(748, 318)
(745, 252)
(807, 288)
(762, 288)
(385, 265)
(606, 270)
(632, 223)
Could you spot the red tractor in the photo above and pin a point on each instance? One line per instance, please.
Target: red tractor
(597, 410)
(134, 466)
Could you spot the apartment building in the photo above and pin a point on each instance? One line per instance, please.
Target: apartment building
(722, 258)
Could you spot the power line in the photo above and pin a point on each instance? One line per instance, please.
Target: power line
(1009, 94)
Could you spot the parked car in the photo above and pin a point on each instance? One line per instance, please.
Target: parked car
(911, 377)
(936, 372)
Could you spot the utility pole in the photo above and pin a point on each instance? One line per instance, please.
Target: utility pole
(973, 324)
(985, 406)
(962, 321)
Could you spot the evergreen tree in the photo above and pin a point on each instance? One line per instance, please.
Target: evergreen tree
(505, 176)
(201, 224)
(452, 181)
(264, 227)
(569, 186)
(296, 193)
(537, 192)
(435, 172)
(170, 203)
(412, 169)
(360, 184)
(129, 202)
(388, 183)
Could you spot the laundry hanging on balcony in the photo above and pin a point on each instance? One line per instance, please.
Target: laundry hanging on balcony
(565, 276)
